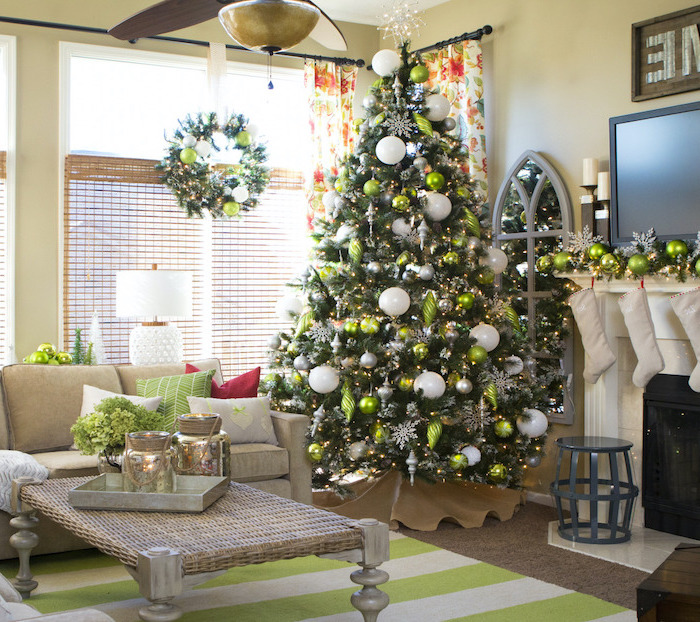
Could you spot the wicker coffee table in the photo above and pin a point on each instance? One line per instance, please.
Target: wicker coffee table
(169, 552)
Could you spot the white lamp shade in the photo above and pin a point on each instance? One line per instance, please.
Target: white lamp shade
(154, 293)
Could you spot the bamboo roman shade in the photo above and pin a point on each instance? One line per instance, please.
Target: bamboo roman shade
(119, 216)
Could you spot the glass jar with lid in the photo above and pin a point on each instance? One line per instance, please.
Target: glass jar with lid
(147, 463)
(201, 447)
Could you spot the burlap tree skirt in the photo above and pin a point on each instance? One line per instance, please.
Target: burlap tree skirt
(393, 500)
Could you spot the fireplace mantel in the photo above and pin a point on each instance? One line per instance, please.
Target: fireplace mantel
(601, 400)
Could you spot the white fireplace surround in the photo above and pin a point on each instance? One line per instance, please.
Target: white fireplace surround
(613, 405)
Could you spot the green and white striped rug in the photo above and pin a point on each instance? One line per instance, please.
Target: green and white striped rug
(427, 584)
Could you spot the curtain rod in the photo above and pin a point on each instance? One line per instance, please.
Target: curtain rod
(467, 36)
(31, 22)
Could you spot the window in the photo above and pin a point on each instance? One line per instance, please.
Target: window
(532, 218)
(7, 147)
(119, 216)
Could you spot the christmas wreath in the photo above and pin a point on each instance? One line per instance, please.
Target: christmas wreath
(225, 190)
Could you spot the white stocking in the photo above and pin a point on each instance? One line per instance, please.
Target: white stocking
(599, 356)
(635, 309)
(687, 307)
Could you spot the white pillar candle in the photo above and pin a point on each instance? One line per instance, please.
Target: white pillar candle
(590, 171)
(604, 186)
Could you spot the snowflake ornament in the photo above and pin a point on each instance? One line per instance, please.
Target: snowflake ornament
(497, 306)
(403, 433)
(696, 253)
(401, 20)
(581, 241)
(410, 236)
(502, 380)
(472, 416)
(641, 243)
(412, 410)
(322, 332)
(400, 124)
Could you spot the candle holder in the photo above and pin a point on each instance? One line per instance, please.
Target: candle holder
(595, 214)
(201, 447)
(147, 463)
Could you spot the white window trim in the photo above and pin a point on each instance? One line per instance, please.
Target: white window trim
(9, 47)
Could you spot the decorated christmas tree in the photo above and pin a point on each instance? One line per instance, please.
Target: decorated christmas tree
(402, 352)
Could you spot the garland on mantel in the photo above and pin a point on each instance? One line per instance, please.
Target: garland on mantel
(645, 256)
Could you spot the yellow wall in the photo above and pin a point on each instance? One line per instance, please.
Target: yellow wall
(39, 171)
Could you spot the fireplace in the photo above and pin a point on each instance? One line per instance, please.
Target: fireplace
(671, 456)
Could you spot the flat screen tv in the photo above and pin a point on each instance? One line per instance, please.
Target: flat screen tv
(655, 173)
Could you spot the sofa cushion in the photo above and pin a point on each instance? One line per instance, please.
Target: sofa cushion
(92, 396)
(14, 464)
(43, 401)
(8, 592)
(245, 385)
(129, 374)
(245, 420)
(175, 390)
(68, 463)
(257, 461)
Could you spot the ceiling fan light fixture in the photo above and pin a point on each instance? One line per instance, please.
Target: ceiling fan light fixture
(269, 25)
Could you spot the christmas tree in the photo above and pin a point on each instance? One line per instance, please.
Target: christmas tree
(402, 351)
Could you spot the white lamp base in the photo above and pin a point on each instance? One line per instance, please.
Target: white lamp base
(155, 345)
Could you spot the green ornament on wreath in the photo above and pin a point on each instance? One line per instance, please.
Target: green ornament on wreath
(199, 185)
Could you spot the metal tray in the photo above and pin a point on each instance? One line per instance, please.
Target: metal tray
(195, 493)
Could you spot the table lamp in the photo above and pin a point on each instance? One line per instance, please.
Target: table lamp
(150, 295)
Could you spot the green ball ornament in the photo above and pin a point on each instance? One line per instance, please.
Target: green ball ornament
(419, 74)
(597, 250)
(243, 139)
(503, 428)
(231, 208)
(450, 258)
(485, 275)
(272, 378)
(351, 328)
(463, 192)
(561, 261)
(435, 180)
(378, 432)
(477, 355)
(64, 358)
(421, 350)
(369, 405)
(401, 202)
(372, 188)
(498, 473)
(49, 348)
(675, 248)
(38, 358)
(403, 333)
(369, 325)
(544, 264)
(458, 461)
(697, 267)
(523, 217)
(466, 300)
(314, 452)
(638, 264)
(188, 155)
(296, 378)
(405, 383)
(608, 263)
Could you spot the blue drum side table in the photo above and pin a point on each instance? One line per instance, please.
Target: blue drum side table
(614, 528)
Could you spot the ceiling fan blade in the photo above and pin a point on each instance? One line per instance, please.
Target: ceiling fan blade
(327, 33)
(166, 16)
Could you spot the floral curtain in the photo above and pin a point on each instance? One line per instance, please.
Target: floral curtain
(457, 72)
(330, 89)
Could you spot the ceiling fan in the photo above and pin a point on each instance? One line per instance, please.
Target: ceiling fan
(265, 25)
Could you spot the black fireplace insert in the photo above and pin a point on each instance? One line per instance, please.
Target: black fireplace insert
(671, 456)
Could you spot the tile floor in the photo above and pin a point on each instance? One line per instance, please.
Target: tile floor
(645, 550)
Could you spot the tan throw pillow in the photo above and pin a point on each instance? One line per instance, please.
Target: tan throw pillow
(92, 396)
(245, 419)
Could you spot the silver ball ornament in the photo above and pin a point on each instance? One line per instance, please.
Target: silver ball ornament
(445, 305)
(274, 342)
(385, 392)
(386, 197)
(420, 163)
(374, 267)
(426, 272)
(451, 336)
(533, 461)
(409, 276)
(449, 124)
(368, 360)
(369, 101)
(302, 363)
(357, 450)
(474, 243)
(464, 386)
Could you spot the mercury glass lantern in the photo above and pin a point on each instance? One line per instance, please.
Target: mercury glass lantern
(201, 447)
(148, 463)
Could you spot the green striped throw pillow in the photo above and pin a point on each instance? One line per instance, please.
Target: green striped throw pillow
(175, 390)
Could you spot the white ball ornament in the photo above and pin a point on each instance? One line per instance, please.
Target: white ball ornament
(240, 194)
(532, 423)
(472, 454)
(391, 150)
(394, 301)
(357, 450)
(369, 101)
(302, 363)
(385, 62)
(323, 379)
(274, 342)
(328, 199)
(426, 272)
(486, 336)
(432, 384)
(464, 386)
(189, 141)
(400, 227)
(203, 148)
(288, 306)
(344, 233)
(437, 206)
(513, 365)
(368, 360)
(438, 107)
(496, 259)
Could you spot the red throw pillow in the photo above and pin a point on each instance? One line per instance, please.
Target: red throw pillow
(245, 385)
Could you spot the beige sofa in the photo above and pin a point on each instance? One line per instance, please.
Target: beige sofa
(40, 403)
